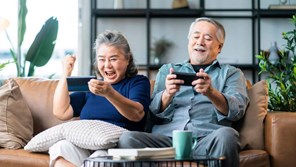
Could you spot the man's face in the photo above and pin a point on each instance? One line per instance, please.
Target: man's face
(203, 45)
(112, 63)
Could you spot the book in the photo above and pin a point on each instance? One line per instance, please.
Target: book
(142, 153)
(282, 7)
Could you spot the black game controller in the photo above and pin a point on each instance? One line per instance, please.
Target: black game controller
(188, 78)
(79, 83)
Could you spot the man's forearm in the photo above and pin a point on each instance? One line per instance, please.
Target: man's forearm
(165, 100)
(219, 101)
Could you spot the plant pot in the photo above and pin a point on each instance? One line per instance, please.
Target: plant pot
(118, 4)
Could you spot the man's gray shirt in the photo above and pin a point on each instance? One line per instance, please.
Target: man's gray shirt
(194, 111)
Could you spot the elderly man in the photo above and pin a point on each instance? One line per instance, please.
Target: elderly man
(207, 107)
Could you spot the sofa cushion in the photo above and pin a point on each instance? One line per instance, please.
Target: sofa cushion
(88, 134)
(38, 94)
(250, 158)
(22, 158)
(251, 127)
(16, 122)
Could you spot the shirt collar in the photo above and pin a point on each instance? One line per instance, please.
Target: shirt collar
(213, 65)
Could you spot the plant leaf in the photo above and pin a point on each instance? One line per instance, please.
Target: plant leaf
(22, 21)
(2, 65)
(43, 45)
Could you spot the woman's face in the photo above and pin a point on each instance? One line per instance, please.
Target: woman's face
(112, 63)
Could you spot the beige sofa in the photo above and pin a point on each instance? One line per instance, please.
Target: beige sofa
(268, 139)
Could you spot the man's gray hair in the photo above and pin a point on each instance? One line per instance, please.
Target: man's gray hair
(220, 29)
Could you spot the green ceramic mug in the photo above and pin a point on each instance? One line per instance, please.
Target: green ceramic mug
(183, 143)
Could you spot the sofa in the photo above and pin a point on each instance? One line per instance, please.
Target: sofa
(267, 138)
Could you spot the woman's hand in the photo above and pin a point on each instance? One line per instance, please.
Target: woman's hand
(61, 101)
(68, 65)
(133, 111)
(99, 87)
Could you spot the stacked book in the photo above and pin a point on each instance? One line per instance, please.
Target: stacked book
(282, 7)
(142, 153)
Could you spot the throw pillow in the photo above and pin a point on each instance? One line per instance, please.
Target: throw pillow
(16, 122)
(251, 127)
(87, 134)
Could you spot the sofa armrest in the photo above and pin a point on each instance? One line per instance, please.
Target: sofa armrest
(280, 135)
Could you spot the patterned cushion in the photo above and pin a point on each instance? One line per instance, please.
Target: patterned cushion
(88, 134)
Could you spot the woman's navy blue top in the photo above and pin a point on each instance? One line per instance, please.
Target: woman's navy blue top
(90, 106)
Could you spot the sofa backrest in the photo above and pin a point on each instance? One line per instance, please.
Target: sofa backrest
(38, 94)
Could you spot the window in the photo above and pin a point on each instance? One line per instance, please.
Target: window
(66, 12)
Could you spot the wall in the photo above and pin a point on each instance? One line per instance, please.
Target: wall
(238, 45)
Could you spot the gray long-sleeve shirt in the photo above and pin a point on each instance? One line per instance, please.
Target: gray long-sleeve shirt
(194, 111)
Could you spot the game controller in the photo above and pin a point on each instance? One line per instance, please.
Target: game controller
(188, 78)
(79, 83)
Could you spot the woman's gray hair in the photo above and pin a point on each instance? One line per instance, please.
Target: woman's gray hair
(117, 40)
(220, 28)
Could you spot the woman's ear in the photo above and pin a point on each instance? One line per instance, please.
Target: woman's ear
(129, 58)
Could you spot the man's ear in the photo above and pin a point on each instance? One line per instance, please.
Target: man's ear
(220, 47)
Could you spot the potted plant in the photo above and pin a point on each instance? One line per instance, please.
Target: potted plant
(281, 75)
(159, 49)
(40, 50)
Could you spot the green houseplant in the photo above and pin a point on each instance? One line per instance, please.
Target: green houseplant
(281, 76)
(40, 50)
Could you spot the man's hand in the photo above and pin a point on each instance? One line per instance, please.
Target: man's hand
(172, 85)
(204, 84)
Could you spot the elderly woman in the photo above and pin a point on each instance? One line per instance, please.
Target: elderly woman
(121, 98)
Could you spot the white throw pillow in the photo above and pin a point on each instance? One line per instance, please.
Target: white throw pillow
(88, 134)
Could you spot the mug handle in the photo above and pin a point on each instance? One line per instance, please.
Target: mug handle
(194, 143)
